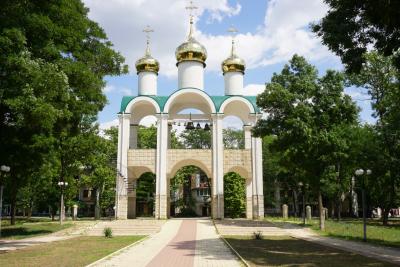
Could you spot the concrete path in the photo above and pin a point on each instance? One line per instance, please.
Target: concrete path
(187, 242)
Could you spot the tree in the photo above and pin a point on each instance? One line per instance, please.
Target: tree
(351, 27)
(233, 138)
(305, 113)
(234, 195)
(381, 79)
(196, 139)
(53, 60)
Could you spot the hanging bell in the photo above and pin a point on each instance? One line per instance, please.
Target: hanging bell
(198, 126)
(189, 126)
(207, 127)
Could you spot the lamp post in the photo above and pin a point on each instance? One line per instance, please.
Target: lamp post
(62, 185)
(358, 173)
(303, 213)
(4, 169)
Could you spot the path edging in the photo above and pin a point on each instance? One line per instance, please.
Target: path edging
(118, 251)
(230, 247)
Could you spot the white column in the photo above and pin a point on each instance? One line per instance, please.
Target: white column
(161, 166)
(257, 171)
(122, 166)
(247, 136)
(133, 136)
(218, 167)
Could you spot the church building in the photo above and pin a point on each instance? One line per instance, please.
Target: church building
(165, 161)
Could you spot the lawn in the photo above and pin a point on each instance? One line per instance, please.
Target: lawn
(352, 229)
(287, 251)
(30, 228)
(78, 251)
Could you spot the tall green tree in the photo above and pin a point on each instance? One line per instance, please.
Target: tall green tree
(351, 27)
(233, 138)
(381, 80)
(305, 113)
(234, 195)
(53, 60)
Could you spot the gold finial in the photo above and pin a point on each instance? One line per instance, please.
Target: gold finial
(148, 30)
(191, 7)
(233, 32)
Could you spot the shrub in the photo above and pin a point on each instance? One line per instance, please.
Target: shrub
(108, 232)
(258, 235)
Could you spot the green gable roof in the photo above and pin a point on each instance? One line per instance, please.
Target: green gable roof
(161, 100)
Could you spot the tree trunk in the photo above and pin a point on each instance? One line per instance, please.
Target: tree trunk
(13, 211)
(295, 207)
(321, 212)
(339, 210)
(385, 216)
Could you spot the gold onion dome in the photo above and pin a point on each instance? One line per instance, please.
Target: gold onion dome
(191, 50)
(233, 63)
(147, 63)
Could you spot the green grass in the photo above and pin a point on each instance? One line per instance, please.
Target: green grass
(351, 229)
(78, 251)
(287, 251)
(30, 228)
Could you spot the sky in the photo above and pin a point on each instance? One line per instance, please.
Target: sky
(270, 32)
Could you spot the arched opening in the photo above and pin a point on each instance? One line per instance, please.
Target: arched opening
(145, 191)
(234, 195)
(233, 132)
(147, 133)
(190, 193)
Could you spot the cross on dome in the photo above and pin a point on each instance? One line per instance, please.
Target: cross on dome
(191, 7)
(148, 30)
(233, 31)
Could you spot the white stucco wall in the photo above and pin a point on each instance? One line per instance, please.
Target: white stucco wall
(147, 83)
(233, 83)
(191, 74)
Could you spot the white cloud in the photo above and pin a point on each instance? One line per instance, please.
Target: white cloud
(283, 32)
(254, 89)
(117, 89)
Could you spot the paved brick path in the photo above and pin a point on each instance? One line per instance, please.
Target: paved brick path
(179, 243)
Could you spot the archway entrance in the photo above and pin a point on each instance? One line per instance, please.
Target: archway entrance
(145, 191)
(190, 193)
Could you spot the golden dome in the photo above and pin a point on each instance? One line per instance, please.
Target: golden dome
(191, 50)
(233, 63)
(147, 63)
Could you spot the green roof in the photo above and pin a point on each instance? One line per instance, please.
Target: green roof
(161, 100)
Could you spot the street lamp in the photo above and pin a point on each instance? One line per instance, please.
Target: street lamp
(4, 169)
(62, 185)
(358, 173)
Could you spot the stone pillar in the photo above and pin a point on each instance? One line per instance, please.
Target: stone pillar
(218, 167)
(75, 212)
(121, 208)
(133, 136)
(161, 167)
(285, 211)
(247, 136)
(308, 213)
(257, 165)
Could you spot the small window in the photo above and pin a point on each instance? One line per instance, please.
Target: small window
(85, 193)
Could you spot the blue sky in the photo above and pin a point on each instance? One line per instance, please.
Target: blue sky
(270, 32)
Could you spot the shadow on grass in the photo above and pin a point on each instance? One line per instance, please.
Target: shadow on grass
(23, 232)
(286, 251)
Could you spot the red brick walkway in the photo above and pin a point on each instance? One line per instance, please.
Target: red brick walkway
(180, 251)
